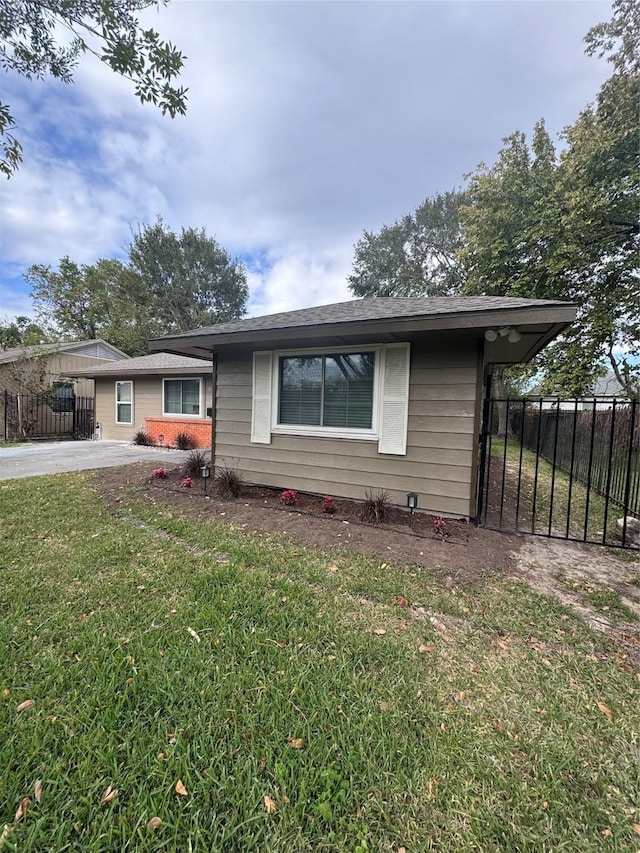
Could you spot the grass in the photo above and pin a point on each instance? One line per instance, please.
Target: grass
(299, 706)
(583, 503)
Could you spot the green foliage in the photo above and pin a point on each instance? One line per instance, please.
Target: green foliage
(416, 256)
(21, 332)
(172, 283)
(31, 46)
(188, 278)
(563, 227)
(362, 741)
(619, 38)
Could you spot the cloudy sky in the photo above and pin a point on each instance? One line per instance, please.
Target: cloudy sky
(307, 123)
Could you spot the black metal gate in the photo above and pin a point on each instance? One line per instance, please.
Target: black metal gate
(567, 469)
(49, 415)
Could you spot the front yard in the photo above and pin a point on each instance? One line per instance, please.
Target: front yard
(173, 681)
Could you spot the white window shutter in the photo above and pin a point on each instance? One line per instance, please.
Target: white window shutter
(394, 409)
(261, 402)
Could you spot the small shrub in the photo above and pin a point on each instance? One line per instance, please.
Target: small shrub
(194, 462)
(184, 441)
(375, 507)
(187, 483)
(328, 505)
(142, 439)
(160, 473)
(228, 483)
(289, 497)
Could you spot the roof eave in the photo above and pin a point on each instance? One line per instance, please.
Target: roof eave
(200, 345)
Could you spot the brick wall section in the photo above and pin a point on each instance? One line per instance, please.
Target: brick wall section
(199, 429)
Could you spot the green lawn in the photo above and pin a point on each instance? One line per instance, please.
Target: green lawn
(298, 704)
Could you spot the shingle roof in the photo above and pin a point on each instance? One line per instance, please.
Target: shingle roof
(15, 353)
(155, 363)
(377, 308)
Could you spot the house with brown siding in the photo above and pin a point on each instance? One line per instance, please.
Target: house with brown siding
(27, 370)
(368, 395)
(161, 394)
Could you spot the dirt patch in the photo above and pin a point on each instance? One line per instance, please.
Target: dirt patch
(463, 557)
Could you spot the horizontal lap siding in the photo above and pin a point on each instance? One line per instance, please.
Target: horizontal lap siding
(147, 403)
(440, 448)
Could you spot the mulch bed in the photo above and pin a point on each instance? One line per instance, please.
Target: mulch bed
(464, 555)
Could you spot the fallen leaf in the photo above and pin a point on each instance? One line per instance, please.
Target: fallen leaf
(180, 789)
(194, 634)
(379, 632)
(606, 711)
(607, 833)
(332, 568)
(499, 727)
(109, 795)
(423, 649)
(385, 706)
(6, 693)
(545, 805)
(24, 706)
(76, 826)
(22, 808)
(636, 828)
(269, 804)
(154, 823)
(296, 742)
(37, 790)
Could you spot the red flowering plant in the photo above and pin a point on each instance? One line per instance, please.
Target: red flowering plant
(328, 505)
(187, 483)
(440, 527)
(289, 497)
(160, 473)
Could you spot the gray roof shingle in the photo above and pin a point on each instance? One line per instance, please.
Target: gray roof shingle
(155, 363)
(376, 308)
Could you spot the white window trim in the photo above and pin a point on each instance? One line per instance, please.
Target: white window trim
(120, 382)
(200, 394)
(320, 431)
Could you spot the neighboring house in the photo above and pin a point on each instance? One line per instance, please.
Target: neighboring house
(27, 370)
(603, 391)
(162, 394)
(368, 395)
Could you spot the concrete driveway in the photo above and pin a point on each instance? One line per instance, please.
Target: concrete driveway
(31, 460)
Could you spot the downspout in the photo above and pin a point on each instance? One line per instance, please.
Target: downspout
(214, 401)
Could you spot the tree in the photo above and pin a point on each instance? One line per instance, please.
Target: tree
(565, 227)
(415, 256)
(187, 280)
(32, 45)
(21, 332)
(172, 283)
(619, 38)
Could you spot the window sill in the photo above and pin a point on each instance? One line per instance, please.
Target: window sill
(326, 432)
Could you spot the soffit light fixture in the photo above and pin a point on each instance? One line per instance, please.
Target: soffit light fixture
(508, 332)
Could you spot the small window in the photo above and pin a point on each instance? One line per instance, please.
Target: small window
(124, 403)
(63, 397)
(181, 397)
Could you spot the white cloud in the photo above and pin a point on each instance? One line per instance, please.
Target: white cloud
(307, 123)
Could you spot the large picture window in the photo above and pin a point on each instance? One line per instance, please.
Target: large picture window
(181, 397)
(124, 403)
(332, 390)
(356, 393)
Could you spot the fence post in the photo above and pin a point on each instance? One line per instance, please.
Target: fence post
(6, 417)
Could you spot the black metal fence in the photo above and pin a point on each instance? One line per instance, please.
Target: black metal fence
(40, 416)
(566, 469)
